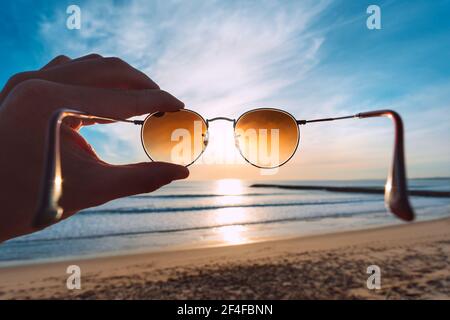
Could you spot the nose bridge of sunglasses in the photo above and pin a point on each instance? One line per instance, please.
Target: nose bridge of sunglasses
(208, 121)
(220, 118)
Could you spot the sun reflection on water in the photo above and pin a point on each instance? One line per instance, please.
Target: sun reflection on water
(229, 216)
(229, 187)
(229, 219)
(231, 191)
(233, 234)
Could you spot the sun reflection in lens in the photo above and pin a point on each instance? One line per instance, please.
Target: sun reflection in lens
(221, 146)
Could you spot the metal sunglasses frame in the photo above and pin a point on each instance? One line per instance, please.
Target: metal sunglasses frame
(235, 121)
(49, 211)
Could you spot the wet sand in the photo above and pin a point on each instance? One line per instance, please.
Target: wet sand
(414, 260)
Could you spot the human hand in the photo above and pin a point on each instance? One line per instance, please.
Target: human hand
(106, 87)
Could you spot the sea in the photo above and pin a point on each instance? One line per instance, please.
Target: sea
(191, 214)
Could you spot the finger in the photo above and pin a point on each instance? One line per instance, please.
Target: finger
(23, 76)
(108, 182)
(138, 178)
(121, 104)
(62, 60)
(75, 144)
(90, 56)
(87, 71)
(98, 72)
(59, 60)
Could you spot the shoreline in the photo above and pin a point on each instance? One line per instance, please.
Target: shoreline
(188, 247)
(301, 233)
(157, 274)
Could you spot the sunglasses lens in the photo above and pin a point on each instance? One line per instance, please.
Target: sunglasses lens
(178, 137)
(267, 138)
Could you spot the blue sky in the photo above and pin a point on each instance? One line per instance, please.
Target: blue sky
(311, 58)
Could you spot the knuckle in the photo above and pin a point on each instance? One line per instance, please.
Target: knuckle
(30, 87)
(34, 96)
(115, 62)
(93, 55)
(61, 57)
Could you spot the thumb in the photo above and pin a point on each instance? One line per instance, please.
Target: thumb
(126, 180)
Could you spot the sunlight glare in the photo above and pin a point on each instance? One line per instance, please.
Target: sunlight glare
(229, 187)
(233, 234)
(230, 216)
(221, 146)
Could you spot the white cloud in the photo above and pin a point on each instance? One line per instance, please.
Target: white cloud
(219, 57)
(224, 57)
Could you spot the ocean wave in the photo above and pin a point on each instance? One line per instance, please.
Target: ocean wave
(206, 195)
(213, 226)
(216, 207)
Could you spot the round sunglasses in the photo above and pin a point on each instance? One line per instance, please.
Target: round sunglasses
(266, 138)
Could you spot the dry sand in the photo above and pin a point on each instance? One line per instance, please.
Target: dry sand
(414, 262)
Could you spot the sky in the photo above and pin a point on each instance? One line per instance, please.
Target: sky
(222, 58)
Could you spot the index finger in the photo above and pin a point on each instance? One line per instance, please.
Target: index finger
(114, 102)
(61, 59)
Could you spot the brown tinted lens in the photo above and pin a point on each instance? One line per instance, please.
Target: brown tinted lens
(177, 137)
(267, 138)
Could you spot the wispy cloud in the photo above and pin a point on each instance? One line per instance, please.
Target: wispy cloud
(212, 54)
(312, 58)
(218, 56)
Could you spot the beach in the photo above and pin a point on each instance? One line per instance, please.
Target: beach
(413, 259)
(195, 214)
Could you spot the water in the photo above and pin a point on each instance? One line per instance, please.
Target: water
(194, 214)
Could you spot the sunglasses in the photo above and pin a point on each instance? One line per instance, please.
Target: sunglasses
(265, 137)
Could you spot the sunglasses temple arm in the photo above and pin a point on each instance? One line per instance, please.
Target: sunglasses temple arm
(49, 211)
(396, 188)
